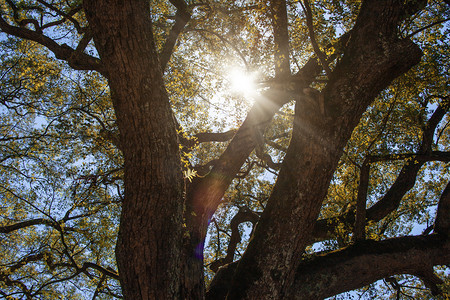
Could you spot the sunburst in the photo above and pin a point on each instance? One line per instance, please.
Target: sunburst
(242, 82)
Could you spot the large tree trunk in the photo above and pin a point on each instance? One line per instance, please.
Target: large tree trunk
(164, 222)
(150, 237)
(373, 58)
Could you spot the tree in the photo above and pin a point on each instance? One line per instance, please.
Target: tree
(109, 131)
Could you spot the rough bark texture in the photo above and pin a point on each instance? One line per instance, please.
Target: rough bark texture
(367, 262)
(352, 267)
(163, 223)
(150, 237)
(373, 58)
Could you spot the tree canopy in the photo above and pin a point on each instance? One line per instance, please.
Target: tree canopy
(224, 149)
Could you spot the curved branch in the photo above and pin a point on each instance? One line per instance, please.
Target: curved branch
(68, 16)
(107, 272)
(182, 17)
(76, 60)
(324, 228)
(404, 182)
(10, 228)
(244, 215)
(354, 266)
(309, 21)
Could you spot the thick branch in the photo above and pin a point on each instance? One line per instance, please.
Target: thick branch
(182, 17)
(13, 227)
(404, 182)
(205, 194)
(76, 60)
(280, 38)
(442, 222)
(353, 267)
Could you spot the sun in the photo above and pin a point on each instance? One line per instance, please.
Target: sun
(242, 82)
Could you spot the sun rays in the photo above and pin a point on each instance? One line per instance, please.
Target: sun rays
(242, 82)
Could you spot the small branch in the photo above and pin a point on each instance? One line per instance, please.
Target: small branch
(432, 156)
(267, 159)
(99, 286)
(107, 272)
(360, 217)
(426, 27)
(26, 260)
(10, 228)
(309, 21)
(87, 37)
(223, 40)
(68, 16)
(25, 22)
(244, 215)
(275, 145)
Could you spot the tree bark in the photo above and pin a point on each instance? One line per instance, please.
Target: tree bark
(160, 245)
(367, 262)
(352, 267)
(373, 58)
(150, 237)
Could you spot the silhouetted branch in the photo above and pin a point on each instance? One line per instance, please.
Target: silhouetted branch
(182, 17)
(309, 21)
(76, 60)
(244, 215)
(360, 218)
(442, 222)
(354, 265)
(404, 182)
